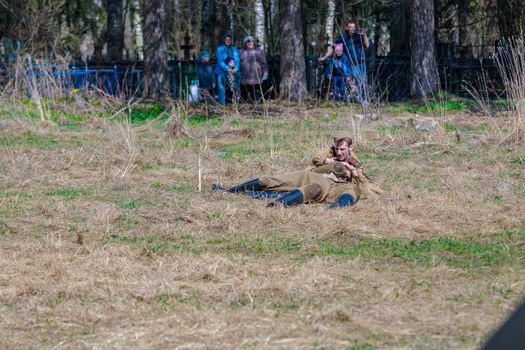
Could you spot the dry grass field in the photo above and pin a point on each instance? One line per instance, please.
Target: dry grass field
(107, 242)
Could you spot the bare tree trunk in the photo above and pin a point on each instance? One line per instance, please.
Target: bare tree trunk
(329, 25)
(511, 16)
(207, 25)
(259, 23)
(156, 83)
(269, 12)
(137, 28)
(467, 33)
(398, 27)
(128, 31)
(423, 61)
(114, 31)
(221, 20)
(293, 69)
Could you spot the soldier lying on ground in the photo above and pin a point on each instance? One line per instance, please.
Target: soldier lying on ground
(330, 156)
(335, 182)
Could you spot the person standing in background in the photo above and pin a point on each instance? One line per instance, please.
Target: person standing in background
(227, 49)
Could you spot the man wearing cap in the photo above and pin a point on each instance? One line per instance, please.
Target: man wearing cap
(334, 154)
(254, 70)
(329, 155)
(222, 53)
(333, 182)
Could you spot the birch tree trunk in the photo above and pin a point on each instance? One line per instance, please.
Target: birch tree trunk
(329, 26)
(423, 61)
(137, 28)
(293, 69)
(115, 30)
(156, 83)
(129, 47)
(259, 23)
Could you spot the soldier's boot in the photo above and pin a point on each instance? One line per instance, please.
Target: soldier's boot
(252, 185)
(217, 187)
(263, 194)
(294, 197)
(344, 200)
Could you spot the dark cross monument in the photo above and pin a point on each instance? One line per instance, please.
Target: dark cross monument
(186, 47)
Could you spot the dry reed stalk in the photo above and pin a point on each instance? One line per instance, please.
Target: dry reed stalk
(125, 147)
(176, 125)
(510, 60)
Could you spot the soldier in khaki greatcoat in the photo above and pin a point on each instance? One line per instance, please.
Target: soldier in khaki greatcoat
(333, 182)
(330, 156)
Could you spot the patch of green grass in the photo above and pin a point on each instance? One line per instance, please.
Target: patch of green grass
(5, 229)
(436, 106)
(241, 150)
(285, 305)
(450, 127)
(236, 122)
(509, 175)
(518, 159)
(387, 155)
(174, 187)
(446, 106)
(68, 192)
(361, 346)
(212, 120)
(430, 252)
(500, 105)
(29, 138)
(15, 193)
(180, 188)
(139, 114)
(128, 204)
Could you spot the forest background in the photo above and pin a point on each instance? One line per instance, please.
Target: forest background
(112, 30)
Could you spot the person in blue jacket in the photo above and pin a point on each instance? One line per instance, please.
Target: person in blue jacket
(355, 42)
(337, 73)
(224, 51)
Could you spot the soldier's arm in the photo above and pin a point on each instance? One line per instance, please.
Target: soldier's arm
(320, 157)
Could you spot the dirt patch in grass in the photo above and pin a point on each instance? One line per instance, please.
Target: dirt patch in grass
(106, 240)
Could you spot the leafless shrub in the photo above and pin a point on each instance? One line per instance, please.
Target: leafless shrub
(176, 125)
(124, 148)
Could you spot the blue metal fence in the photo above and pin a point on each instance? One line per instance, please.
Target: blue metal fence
(389, 77)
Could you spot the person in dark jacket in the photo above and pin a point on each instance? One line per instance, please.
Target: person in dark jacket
(337, 73)
(254, 70)
(206, 76)
(227, 49)
(355, 42)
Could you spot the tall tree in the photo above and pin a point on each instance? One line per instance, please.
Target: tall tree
(398, 26)
(156, 83)
(259, 22)
(293, 69)
(423, 57)
(511, 16)
(207, 25)
(222, 22)
(114, 30)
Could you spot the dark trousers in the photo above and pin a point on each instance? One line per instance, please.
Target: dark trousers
(251, 93)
